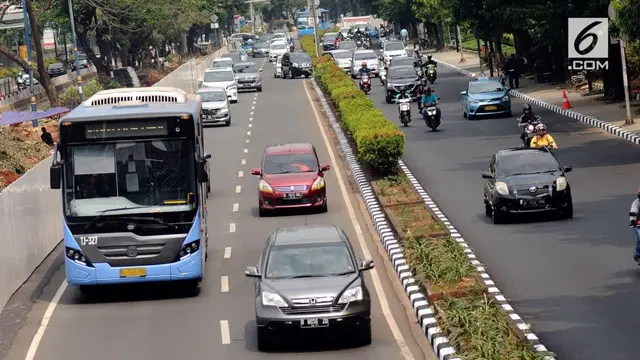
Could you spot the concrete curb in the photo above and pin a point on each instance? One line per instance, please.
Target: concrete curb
(589, 120)
(422, 310)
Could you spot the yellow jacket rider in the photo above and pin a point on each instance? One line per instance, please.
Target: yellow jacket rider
(542, 138)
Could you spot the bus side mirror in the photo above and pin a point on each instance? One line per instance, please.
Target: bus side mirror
(201, 171)
(55, 176)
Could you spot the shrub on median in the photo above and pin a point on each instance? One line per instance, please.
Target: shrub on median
(379, 142)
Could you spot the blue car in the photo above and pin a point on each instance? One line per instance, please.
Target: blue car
(484, 97)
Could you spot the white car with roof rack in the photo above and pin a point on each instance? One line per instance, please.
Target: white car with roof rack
(221, 78)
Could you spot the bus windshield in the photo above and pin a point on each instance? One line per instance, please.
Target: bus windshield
(129, 177)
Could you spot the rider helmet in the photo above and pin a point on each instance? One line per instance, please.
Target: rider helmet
(526, 109)
(364, 64)
(429, 57)
(541, 128)
(428, 90)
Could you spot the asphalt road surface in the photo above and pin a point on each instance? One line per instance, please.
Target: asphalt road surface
(160, 323)
(575, 281)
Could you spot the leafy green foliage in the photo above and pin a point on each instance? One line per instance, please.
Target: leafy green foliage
(628, 17)
(379, 142)
(70, 98)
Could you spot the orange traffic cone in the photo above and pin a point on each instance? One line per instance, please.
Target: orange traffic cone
(565, 101)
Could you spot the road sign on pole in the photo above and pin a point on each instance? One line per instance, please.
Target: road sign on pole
(214, 18)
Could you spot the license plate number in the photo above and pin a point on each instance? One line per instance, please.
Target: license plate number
(532, 202)
(491, 107)
(314, 323)
(133, 272)
(292, 196)
(209, 117)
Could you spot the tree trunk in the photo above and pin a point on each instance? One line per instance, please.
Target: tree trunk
(613, 85)
(45, 80)
(6, 51)
(83, 42)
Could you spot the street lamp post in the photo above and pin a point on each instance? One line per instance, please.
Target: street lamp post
(75, 50)
(27, 38)
(251, 13)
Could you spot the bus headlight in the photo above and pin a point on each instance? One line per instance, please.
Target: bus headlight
(77, 256)
(188, 249)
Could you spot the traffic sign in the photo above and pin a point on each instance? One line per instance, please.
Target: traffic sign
(214, 18)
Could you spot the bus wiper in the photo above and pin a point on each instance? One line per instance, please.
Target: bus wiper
(103, 212)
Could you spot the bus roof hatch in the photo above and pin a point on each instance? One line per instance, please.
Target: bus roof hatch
(137, 96)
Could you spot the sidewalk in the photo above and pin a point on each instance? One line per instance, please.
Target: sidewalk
(582, 103)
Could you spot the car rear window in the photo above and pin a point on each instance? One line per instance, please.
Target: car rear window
(528, 162)
(290, 163)
(365, 56)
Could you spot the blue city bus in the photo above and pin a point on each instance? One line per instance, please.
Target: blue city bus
(304, 22)
(134, 180)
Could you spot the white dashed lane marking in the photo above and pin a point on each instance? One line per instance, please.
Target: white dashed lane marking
(246, 141)
(232, 227)
(244, 161)
(240, 173)
(227, 252)
(250, 119)
(248, 133)
(246, 151)
(236, 206)
(224, 284)
(250, 125)
(224, 332)
(238, 189)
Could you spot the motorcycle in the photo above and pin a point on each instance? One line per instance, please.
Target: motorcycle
(503, 78)
(366, 43)
(404, 107)
(528, 131)
(431, 73)
(359, 43)
(430, 116)
(383, 75)
(365, 84)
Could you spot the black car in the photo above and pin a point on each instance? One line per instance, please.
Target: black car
(56, 70)
(309, 279)
(260, 49)
(296, 64)
(329, 41)
(525, 181)
(399, 77)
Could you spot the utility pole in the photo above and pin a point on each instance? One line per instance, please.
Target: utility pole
(27, 38)
(623, 57)
(251, 13)
(75, 50)
(314, 12)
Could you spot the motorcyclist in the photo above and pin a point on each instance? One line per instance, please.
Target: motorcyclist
(430, 61)
(402, 95)
(542, 138)
(527, 115)
(429, 98)
(417, 57)
(633, 223)
(364, 70)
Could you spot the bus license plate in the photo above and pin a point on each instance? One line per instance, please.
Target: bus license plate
(314, 323)
(489, 108)
(133, 272)
(292, 196)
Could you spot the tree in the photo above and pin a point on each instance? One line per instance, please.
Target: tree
(628, 15)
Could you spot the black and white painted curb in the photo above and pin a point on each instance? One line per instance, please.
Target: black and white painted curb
(589, 120)
(426, 317)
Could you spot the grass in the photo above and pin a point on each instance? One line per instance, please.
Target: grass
(416, 219)
(439, 263)
(472, 45)
(479, 329)
(394, 190)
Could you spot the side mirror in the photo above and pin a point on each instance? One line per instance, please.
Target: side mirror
(487, 175)
(207, 156)
(256, 172)
(325, 168)
(55, 176)
(366, 265)
(463, 92)
(252, 271)
(567, 169)
(260, 70)
(201, 171)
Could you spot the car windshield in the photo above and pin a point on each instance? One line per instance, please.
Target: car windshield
(309, 260)
(484, 87)
(393, 46)
(208, 96)
(401, 73)
(218, 76)
(527, 163)
(129, 177)
(300, 58)
(290, 163)
(261, 45)
(246, 68)
(348, 45)
(342, 55)
(222, 64)
(235, 57)
(278, 46)
(365, 56)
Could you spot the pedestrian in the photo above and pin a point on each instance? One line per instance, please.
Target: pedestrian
(404, 34)
(633, 223)
(46, 137)
(511, 68)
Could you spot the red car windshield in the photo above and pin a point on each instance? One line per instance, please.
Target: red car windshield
(290, 163)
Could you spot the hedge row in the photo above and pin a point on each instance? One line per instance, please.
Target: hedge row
(379, 142)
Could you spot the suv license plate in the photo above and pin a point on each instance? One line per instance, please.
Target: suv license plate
(314, 323)
(292, 196)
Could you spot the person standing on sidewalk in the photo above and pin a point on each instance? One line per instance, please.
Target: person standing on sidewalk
(511, 68)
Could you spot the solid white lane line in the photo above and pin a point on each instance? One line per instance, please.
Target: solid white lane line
(232, 227)
(244, 161)
(246, 151)
(248, 132)
(238, 189)
(240, 173)
(236, 206)
(35, 342)
(224, 332)
(224, 284)
(227, 252)
(377, 284)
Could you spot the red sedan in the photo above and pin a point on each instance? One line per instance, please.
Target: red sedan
(291, 177)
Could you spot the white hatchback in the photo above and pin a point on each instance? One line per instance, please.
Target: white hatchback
(221, 78)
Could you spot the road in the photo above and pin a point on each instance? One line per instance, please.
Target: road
(157, 323)
(575, 281)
